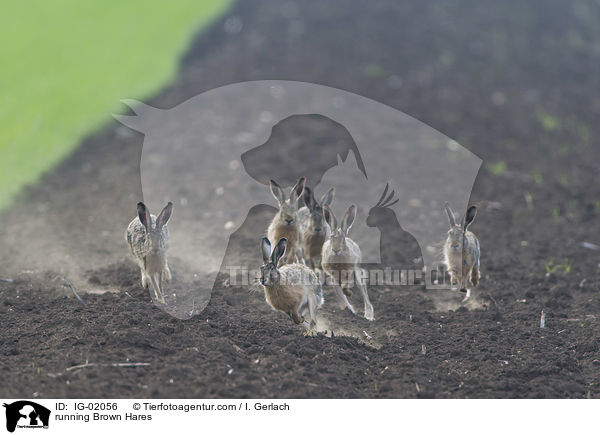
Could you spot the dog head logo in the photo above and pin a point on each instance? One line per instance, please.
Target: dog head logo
(26, 414)
(214, 154)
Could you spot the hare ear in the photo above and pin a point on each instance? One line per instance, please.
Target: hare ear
(265, 248)
(277, 192)
(164, 215)
(329, 217)
(349, 219)
(144, 215)
(328, 197)
(278, 251)
(308, 198)
(470, 216)
(450, 214)
(297, 189)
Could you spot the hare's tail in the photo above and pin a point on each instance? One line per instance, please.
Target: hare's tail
(155, 280)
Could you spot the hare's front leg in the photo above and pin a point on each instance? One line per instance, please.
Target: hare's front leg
(316, 261)
(312, 302)
(342, 296)
(453, 277)
(310, 325)
(166, 274)
(300, 256)
(145, 279)
(369, 312)
(464, 286)
(338, 290)
(346, 289)
(296, 318)
(347, 281)
(467, 295)
(159, 296)
(475, 275)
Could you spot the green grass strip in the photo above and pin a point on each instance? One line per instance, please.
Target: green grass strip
(67, 63)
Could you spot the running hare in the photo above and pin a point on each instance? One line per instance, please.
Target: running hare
(147, 237)
(292, 288)
(285, 222)
(341, 259)
(462, 248)
(313, 228)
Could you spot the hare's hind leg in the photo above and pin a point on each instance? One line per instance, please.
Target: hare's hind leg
(369, 312)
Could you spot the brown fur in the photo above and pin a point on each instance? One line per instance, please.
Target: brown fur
(286, 299)
(347, 260)
(285, 222)
(313, 245)
(277, 231)
(462, 252)
(293, 292)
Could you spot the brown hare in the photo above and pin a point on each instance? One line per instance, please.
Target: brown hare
(285, 222)
(292, 288)
(313, 228)
(462, 252)
(342, 258)
(147, 237)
